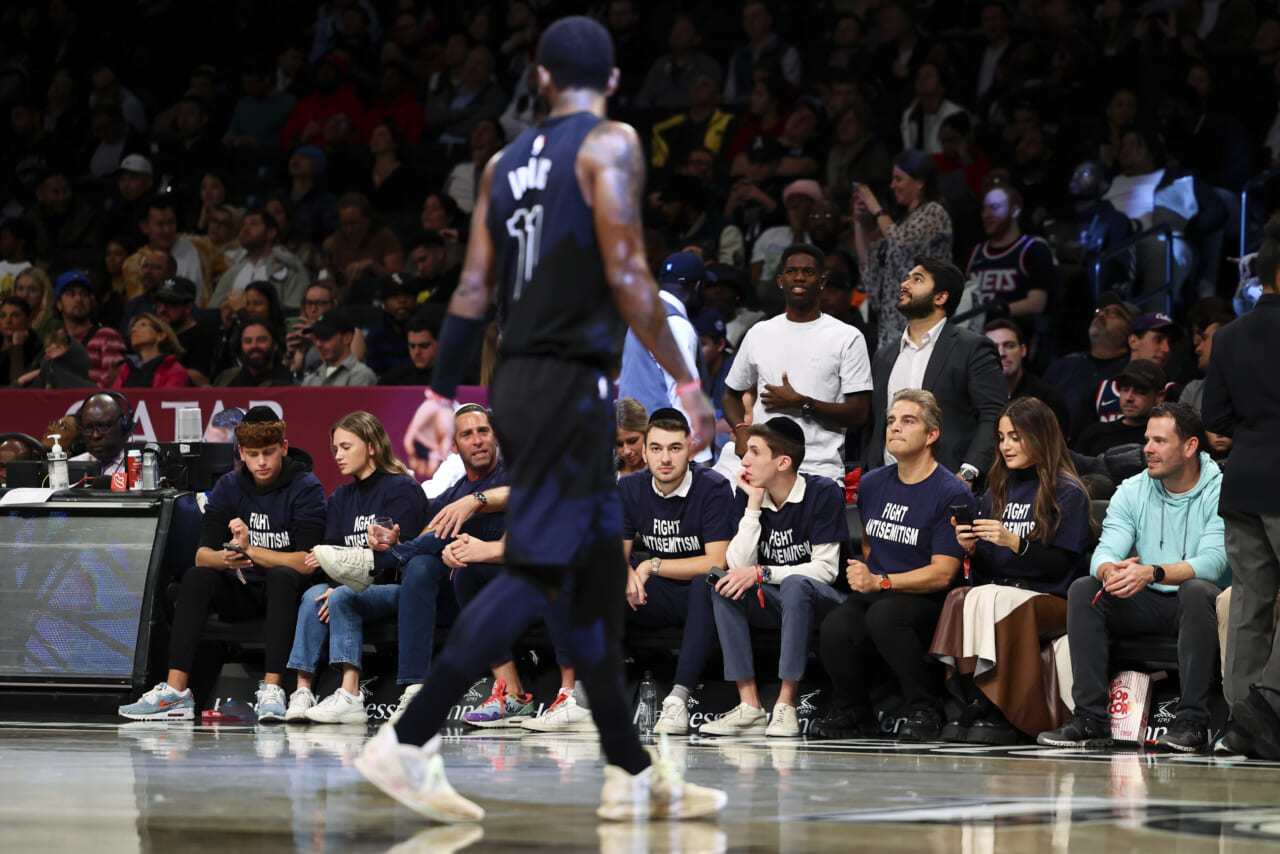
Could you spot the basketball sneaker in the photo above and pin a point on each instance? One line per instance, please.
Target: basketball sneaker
(414, 776)
(657, 792)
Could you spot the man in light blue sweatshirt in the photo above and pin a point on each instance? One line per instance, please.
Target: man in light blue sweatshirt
(1157, 570)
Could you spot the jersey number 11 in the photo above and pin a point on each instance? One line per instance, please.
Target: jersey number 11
(525, 225)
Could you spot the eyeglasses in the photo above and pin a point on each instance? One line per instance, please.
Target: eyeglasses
(316, 303)
(1111, 311)
(96, 429)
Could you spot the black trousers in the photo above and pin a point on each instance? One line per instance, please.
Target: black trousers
(1189, 614)
(204, 590)
(872, 631)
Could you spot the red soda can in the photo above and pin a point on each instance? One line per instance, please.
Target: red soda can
(135, 470)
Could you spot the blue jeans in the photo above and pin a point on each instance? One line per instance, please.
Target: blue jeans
(794, 606)
(348, 612)
(681, 603)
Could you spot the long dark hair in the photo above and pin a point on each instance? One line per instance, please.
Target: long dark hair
(920, 165)
(1037, 428)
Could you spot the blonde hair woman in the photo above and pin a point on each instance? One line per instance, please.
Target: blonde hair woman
(381, 495)
(34, 286)
(158, 350)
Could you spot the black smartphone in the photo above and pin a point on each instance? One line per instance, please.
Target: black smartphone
(715, 574)
(963, 514)
(234, 547)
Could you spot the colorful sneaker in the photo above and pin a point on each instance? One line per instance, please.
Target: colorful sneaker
(271, 703)
(740, 720)
(406, 697)
(346, 565)
(565, 715)
(415, 777)
(501, 709)
(299, 701)
(339, 708)
(161, 703)
(657, 792)
(674, 719)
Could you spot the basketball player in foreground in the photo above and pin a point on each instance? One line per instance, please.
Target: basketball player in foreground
(557, 231)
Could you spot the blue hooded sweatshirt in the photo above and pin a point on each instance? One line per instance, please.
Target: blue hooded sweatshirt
(1146, 520)
(287, 516)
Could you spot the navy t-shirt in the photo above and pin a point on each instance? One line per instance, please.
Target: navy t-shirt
(354, 506)
(675, 527)
(789, 533)
(907, 524)
(485, 526)
(997, 563)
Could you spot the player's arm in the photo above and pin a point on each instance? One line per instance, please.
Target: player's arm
(465, 321)
(612, 163)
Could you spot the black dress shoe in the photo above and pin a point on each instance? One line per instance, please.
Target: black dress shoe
(846, 723)
(957, 729)
(1259, 722)
(995, 729)
(921, 725)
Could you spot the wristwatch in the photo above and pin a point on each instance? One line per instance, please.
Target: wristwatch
(969, 472)
(481, 497)
(654, 563)
(1157, 574)
(809, 408)
(766, 574)
(886, 583)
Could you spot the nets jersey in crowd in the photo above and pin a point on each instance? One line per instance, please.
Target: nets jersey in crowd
(553, 299)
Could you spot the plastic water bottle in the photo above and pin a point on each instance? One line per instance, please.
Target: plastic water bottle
(646, 712)
(58, 476)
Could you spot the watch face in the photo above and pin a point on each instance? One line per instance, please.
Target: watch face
(885, 583)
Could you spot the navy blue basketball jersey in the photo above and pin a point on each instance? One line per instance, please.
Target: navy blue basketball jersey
(553, 299)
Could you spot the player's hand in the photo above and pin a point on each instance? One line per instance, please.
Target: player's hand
(859, 576)
(702, 418)
(736, 582)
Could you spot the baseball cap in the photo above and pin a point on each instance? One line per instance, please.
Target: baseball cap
(398, 283)
(72, 277)
(1143, 374)
(682, 268)
(136, 163)
(332, 323)
(316, 155)
(709, 324)
(764, 149)
(176, 289)
(1155, 320)
(1107, 298)
(727, 274)
(805, 187)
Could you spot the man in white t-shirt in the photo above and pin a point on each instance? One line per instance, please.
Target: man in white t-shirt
(802, 364)
(1132, 192)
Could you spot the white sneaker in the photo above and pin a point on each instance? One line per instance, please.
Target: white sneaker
(674, 719)
(784, 724)
(339, 708)
(299, 701)
(346, 565)
(740, 720)
(271, 701)
(414, 777)
(565, 715)
(631, 837)
(406, 697)
(657, 792)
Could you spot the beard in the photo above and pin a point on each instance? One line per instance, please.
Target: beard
(260, 360)
(917, 307)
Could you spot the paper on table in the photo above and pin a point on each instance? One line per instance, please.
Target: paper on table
(26, 495)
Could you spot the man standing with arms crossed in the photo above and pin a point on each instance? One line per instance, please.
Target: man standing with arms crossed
(557, 231)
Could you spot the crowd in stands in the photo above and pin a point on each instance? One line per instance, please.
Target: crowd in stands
(885, 232)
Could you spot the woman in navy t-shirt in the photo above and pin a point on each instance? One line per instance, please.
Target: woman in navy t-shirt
(382, 488)
(1024, 551)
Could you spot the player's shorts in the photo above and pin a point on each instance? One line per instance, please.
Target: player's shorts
(555, 425)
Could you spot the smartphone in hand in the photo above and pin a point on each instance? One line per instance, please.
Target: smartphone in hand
(963, 514)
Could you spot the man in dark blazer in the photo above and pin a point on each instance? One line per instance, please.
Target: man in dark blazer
(959, 366)
(1242, 400)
